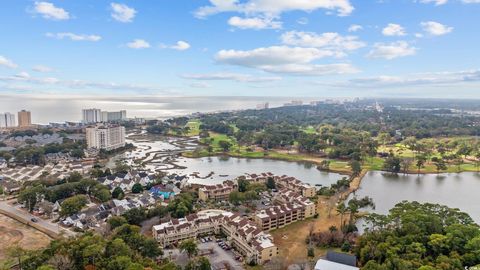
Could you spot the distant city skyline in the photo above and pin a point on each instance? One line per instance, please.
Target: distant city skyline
(311, 48)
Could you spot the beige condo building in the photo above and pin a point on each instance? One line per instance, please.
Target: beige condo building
(24, 118)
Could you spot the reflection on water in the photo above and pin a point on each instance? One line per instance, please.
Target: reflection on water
(456, 190)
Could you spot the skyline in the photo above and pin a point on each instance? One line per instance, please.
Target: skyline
(336, 48)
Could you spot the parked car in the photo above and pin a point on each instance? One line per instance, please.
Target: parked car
(34, 219)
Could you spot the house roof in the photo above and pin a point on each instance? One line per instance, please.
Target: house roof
(342, 258)
(328, 265)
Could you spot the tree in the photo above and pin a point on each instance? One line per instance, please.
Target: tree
(73, 205)
(356, 167)
(392, 164)
(414, 235)
(118, 193)
(225, 145)
(439, 164)
(271, 183)
(405, 164)
(341, 209)
(243, 185)
(236, 197)
(137, 188)
(31, 195)
(325, 165)
(190, 247)
(420, 162)
(116, 221)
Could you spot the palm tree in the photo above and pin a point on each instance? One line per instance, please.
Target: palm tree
(341, 209)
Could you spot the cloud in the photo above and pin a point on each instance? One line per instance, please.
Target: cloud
(41, 68)
(333, 42)
(122, 12)
(200, 85)
(138, 44)
(74, 37)
(22, 75)
(230, 77)
(435, 28)
(285, 60)
(50, 11)
(273, 7)
(393, 29)
(179, 46)
(7, 62)
(355, 28)
(256, 23)
(418, 79)
(26, 78)
(471, 1)
(302, 21)
(436, 2)
(392, 50)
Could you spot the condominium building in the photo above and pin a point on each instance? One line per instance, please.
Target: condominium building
(293, 207)
(220, 192)
(90, 116)
(105, 137)
(243, 234)
(24, 118)
(7, 120)
(296, 185)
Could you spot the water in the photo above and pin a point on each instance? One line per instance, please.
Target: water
(455, 190)
(229, 168)
(50, 108)
(161, 153)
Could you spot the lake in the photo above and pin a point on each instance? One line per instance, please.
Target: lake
(230, 168)
(161, 153)
(456, 190)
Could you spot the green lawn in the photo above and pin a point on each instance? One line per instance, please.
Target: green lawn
(194, 126)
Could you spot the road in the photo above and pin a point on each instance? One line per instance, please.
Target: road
(26, 218)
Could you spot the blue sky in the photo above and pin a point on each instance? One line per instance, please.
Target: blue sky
(396, 48)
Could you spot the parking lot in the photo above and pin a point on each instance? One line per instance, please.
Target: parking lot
(219, 257)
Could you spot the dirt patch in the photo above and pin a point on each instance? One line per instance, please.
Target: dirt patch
(13, 233)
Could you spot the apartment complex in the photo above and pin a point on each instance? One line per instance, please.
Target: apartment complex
(24, 118)
(90, 116)
(292, 207)
(105, 137)
(243, 234)
(220, 192)
(284, 181)
(7, 120)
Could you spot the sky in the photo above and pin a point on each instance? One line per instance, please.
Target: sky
(308, 48)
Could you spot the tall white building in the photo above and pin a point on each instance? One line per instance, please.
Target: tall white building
(91, 116)
(105, 137)
(7, 120)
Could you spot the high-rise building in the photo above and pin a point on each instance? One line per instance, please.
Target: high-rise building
(116, 116)
(7, 120)
(105, 137)
(91, 116)
(263, 106)
(24, 118)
